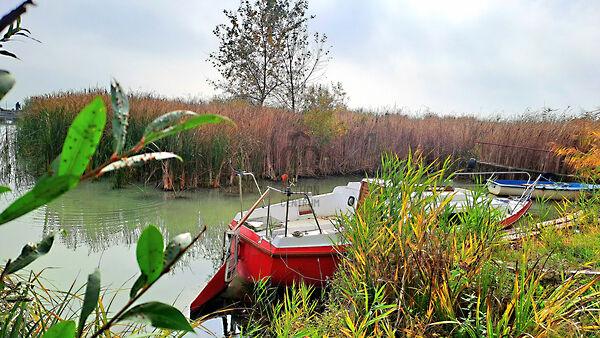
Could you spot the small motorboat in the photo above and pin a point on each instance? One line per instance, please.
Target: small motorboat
(301, 240)
(542, 188)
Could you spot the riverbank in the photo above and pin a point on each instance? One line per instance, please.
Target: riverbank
(270, 142)
(411, 271)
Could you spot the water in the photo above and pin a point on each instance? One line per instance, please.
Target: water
(98, 226)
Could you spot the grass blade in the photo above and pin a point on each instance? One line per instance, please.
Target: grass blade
(92, 294)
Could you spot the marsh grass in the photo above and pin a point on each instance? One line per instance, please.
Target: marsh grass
(411, 270)
(270, 142)
(570, 249)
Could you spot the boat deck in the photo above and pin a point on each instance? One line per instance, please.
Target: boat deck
(300, 233)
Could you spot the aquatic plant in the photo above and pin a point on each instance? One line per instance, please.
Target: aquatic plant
(11, 28)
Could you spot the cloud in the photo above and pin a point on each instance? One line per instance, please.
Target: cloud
(450, 56)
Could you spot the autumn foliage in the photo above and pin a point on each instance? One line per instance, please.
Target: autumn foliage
(584, 156)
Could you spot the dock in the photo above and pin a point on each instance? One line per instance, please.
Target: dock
(8, 116)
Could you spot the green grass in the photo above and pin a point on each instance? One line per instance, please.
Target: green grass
(413, 271)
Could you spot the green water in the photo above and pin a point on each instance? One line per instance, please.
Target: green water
(98, 226)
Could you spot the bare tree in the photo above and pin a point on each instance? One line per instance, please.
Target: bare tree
(249, 53)
(264, 52)
(304, 57)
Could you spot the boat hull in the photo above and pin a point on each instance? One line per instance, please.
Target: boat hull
(284, 266)
(216, 286)
(301, 248)
(512, 219)
(543, 189)
(500, 190)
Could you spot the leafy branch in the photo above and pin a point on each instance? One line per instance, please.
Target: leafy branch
(121, 314)
(12, 21)
(69, 169)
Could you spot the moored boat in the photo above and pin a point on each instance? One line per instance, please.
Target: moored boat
(301, 240)
(542, 188)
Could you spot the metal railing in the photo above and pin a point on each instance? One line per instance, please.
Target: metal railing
(529, 186)
(288, 192)
(240, 174)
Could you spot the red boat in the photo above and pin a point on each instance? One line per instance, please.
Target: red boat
(299, 240)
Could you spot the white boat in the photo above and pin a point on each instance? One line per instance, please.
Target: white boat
(541, 188)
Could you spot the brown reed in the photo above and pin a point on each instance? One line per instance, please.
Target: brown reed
(271, 141)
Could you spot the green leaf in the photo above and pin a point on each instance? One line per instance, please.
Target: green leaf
(64, 329)
(82, 139)
(178, 121)
(4, 189)
(176, 245)
(138, 160)
(7, 81)
(138, 285)
(149, 252)
(168, 120)
(120, 106)
(160, 315)
(92, 294)
(30, 253)
(45, 190)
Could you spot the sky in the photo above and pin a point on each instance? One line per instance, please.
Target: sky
(451, 57)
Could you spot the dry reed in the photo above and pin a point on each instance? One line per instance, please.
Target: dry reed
(270, 141)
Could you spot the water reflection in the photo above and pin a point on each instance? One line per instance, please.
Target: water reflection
(11, 172)
(97, 217)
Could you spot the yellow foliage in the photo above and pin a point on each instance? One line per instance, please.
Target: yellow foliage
(324, 124)
(584, 157)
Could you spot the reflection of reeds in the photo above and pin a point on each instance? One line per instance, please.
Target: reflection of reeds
(11, 172)
(271, 141)
(100, 232)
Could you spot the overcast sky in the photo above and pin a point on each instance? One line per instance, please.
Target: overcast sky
(475, 57)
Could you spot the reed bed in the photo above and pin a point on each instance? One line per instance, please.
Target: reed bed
(270, 141)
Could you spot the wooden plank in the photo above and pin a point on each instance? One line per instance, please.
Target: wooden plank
(559, 223)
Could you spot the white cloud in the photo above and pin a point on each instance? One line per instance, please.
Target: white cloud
(451, 56)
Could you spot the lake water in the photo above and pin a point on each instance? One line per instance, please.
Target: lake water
(98, 226)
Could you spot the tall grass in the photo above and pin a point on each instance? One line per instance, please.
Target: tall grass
(413, 270)
(271, 141)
